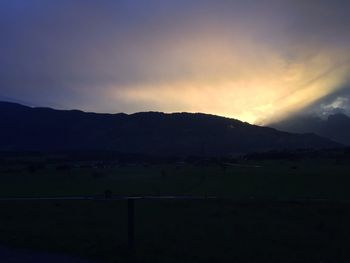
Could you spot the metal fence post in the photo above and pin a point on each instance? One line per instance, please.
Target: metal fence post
(131, 223)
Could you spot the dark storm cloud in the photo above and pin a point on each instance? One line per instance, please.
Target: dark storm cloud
(336, 102)
(71, 53)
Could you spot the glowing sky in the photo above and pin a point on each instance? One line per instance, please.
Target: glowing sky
(252, 60)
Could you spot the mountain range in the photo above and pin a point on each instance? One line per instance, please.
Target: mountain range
(156, 133)
(335, 126)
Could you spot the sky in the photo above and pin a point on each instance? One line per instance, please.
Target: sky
(257, 61)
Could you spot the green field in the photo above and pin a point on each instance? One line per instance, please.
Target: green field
(267, 217)
(320, 178)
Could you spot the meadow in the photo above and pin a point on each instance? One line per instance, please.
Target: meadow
(266, 211)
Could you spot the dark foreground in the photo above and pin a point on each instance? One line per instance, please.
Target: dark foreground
(271, 211)
(183, 231)
(16, 255)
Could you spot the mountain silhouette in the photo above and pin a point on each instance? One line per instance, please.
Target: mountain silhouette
(184, 134)
(335, 126)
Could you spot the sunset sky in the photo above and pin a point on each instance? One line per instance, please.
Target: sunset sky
(256, 61)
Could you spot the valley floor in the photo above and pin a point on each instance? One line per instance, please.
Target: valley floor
(274, 211)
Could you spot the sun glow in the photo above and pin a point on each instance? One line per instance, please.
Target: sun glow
(252, 84)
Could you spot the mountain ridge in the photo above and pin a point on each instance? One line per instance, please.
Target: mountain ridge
(35, 128)
(335, 126)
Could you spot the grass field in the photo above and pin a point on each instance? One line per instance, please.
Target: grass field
(266, 219)
(265, 179)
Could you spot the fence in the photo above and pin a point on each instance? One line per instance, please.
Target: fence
(108, 198)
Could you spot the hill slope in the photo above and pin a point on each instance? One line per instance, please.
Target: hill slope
(335, 127)
(26, 128)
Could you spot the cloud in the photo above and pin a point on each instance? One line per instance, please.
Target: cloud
(337, 102)
(252, 60)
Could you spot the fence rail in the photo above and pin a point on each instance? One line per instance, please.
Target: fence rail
(103, 198)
